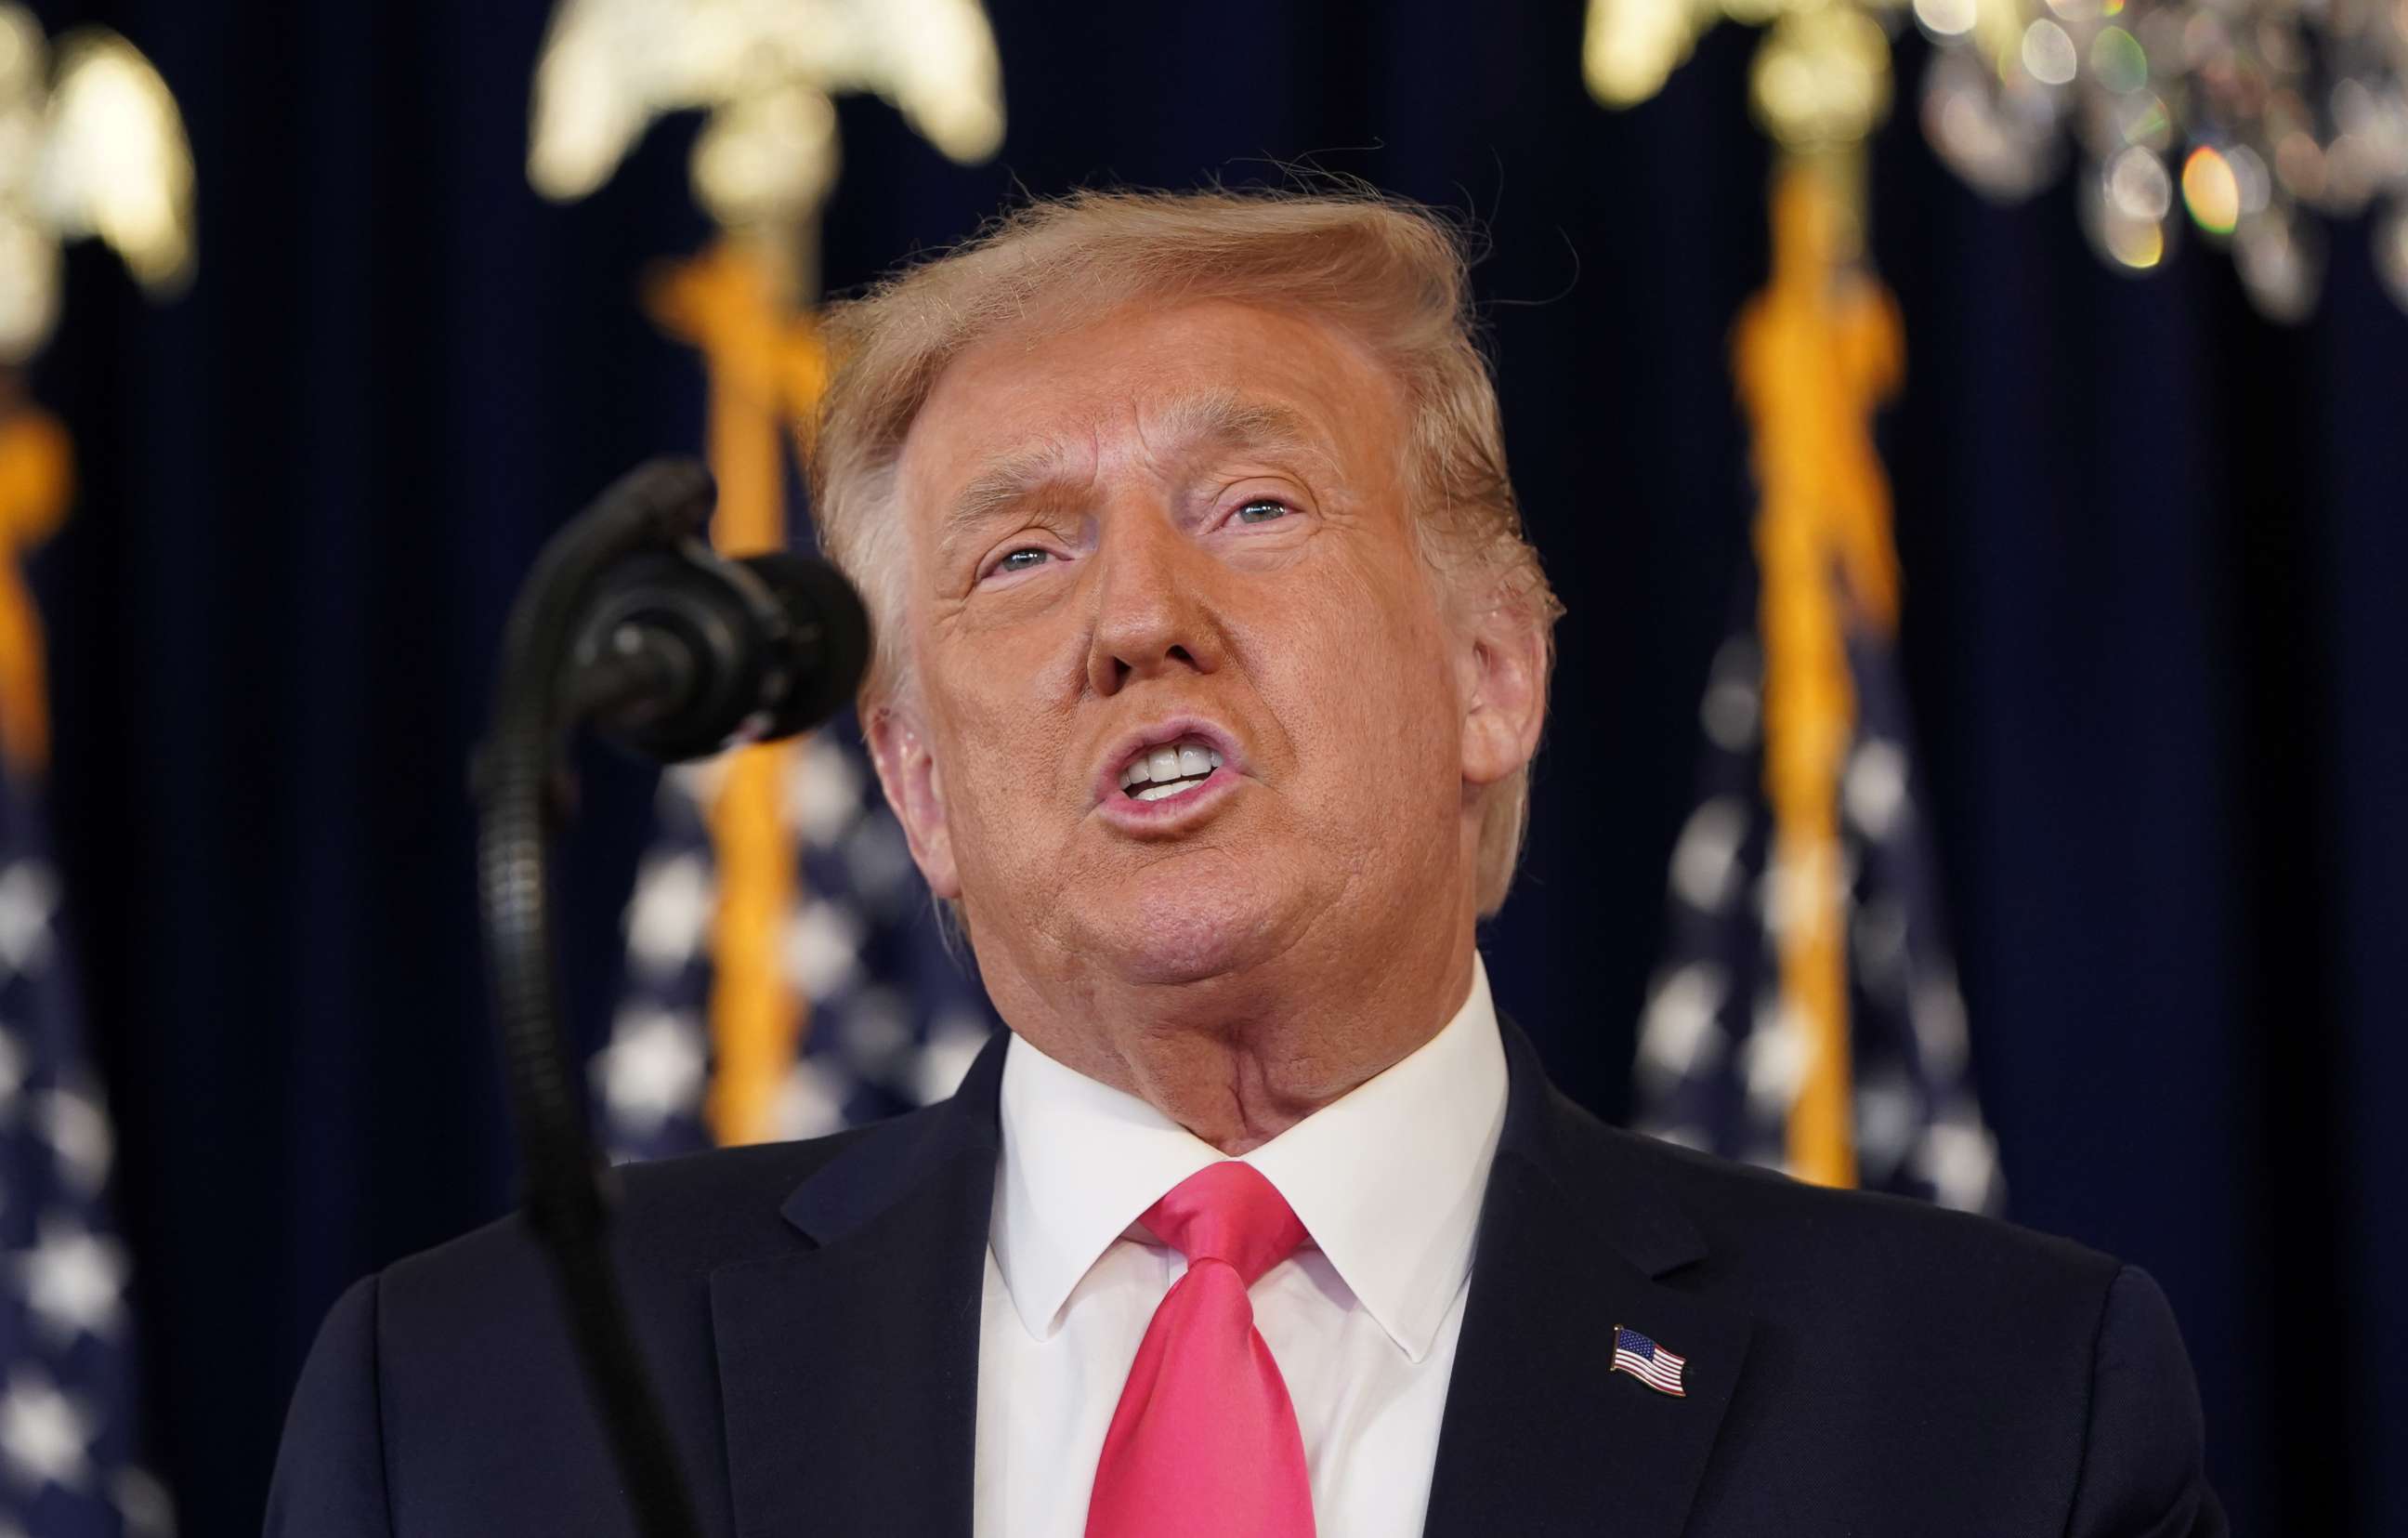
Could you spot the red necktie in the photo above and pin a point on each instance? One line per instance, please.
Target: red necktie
(1205, 1443)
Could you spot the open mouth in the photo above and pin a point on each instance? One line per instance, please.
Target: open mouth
(1156, 774)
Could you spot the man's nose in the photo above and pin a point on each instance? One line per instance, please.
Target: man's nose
(1154, 612)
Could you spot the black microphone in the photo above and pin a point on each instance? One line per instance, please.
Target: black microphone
(682, 653)
(630, 623)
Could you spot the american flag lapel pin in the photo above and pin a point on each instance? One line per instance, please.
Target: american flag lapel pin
(1650, 1363)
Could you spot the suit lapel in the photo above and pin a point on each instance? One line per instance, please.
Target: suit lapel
(1541, 1436)
(849, 1370)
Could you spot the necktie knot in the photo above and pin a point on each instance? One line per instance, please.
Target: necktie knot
(1227, 1211)
(1204, 1441)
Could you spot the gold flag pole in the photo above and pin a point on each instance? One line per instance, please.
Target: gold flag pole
(763, 167)
(96, 149)
(36, 484)
(1813, 356)
(765, 368)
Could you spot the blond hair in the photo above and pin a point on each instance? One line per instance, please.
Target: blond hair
(1388, 273)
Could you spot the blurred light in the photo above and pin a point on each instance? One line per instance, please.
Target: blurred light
(764, 71)
(2202, 39)
(2349, 179)
(2391, 250)
(2353, 107)
(943, 57)
(2117, 202)
(2004, 143)
(760, 157)
(2279, 46)
(1631, 47)
(2139, 247)
(2211, 191)
(2159, 29)
(1821, 78)
(2280, 263)
(2300, 164)
(2138, 187)
(20, 51)
(1945, 18)
(2249, 178)
(2250, 113)
(91, 144)
(20, 141)
(2048, 53)
(2118, 60)
(1753, 14)
(115, 162)
(29, 286)
(2143, 121)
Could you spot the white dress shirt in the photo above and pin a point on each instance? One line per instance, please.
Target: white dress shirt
(1363, 1321)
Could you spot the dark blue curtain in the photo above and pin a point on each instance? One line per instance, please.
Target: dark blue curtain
(2156, 555)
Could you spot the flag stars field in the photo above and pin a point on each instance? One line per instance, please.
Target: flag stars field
(1961, 1158)
(45, 1434)
(954, 1044)
(29, 897)
(77, 1129)
(670, 911)
(889, 1020)
(653, 1067)
(69, 1453)
(1705, 862)
(823, 793)
(1725, 1048)
(74, 1282)
(1679, 1035)
(823, 949)
(1774, 1057)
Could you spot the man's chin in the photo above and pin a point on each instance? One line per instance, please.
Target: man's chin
(1174, 938)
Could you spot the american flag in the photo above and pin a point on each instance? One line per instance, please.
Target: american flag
(1720, 1053)
(1650, 1363)
(894, 1015)
(67, 1417)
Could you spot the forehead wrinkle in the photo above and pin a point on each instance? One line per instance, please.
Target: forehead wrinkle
(1223, 418)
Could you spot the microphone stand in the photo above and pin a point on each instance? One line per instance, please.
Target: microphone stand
(522, 785)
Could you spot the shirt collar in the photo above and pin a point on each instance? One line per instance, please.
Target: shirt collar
(1387, 1179)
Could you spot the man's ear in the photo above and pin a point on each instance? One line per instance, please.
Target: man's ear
(1502, 666)
(915, 788)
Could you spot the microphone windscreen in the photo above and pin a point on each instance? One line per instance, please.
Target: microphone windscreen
(829, 638)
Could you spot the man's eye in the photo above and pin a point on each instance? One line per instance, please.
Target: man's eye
(1022, 560)
(1262, 510)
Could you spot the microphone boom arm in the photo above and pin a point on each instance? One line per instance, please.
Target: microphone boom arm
(540, 698)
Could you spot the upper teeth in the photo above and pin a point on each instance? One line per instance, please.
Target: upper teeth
(1164, 770)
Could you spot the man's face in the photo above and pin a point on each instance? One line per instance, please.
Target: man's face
(1178, 539)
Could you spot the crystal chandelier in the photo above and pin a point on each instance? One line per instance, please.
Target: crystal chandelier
(2241, 120)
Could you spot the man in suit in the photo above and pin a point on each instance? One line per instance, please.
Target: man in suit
(1211, 661)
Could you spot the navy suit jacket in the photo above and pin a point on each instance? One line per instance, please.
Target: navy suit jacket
(1856, 1365)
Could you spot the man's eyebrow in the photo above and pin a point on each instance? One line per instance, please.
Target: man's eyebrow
(1216, 419)
(1005, 482)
